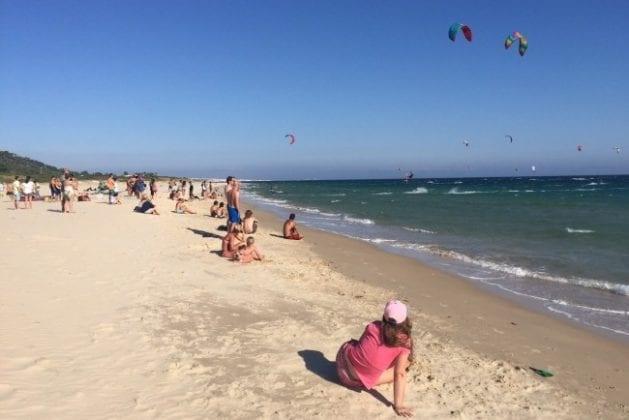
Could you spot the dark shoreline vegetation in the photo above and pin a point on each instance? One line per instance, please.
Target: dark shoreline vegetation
(12, 165)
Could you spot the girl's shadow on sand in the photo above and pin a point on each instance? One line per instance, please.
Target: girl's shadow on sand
(317, 363)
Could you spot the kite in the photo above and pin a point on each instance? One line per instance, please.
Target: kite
(524, 43)
(509, 137)
(579, 147)
(617, 149)
(466, 143)
(467, 32)
(291, 138)
(533, 168)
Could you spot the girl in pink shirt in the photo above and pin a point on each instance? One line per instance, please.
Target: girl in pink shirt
(382, 355)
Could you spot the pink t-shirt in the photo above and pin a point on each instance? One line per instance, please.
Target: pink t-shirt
(370, 357)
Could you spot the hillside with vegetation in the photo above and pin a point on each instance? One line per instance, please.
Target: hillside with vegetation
(12, 165)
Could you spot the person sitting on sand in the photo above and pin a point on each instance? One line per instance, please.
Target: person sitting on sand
(214, 209)
(381, 356)
(290, 228)
(249, 253)
(181, 207)
(249, 223)
(232, 242)
(146, 206)
(222, 211)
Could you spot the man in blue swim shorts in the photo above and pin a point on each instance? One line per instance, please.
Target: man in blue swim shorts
(232, 193)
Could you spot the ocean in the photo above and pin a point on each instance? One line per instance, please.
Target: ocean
(558, 244)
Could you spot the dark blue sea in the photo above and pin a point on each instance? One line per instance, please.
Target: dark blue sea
(560, 244)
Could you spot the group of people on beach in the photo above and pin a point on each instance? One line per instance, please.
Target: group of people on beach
(25, 190)
(384, 352)
(235, 246)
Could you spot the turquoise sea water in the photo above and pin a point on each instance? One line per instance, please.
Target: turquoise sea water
(558, 243)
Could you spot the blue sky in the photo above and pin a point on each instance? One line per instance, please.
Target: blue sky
(212, 87)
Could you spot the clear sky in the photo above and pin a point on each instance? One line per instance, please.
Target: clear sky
(209, 88)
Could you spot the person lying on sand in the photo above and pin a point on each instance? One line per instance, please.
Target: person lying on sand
(146, 206)
(233, 242)
(249, 223)
(381, 356)
(181, 207)
(290, 228)
(249, 253)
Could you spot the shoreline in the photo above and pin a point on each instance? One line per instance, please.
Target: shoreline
(590, 363)
(111, 313)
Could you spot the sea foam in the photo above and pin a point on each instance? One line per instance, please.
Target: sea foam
(418, 190)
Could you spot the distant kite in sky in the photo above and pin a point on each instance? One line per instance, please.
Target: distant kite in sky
(466, 143)
(579, 147)
(617, 149)
(524, 43)
(533, 168)
(509, 138)
(291, 138)
(467, 32)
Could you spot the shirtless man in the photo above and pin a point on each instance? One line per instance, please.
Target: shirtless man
(233, 201)
(290, 228)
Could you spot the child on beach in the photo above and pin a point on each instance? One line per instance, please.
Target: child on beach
(382, 355)
(249, 223)
(249, 253)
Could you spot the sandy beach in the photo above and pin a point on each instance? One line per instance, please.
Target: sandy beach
(107, 313)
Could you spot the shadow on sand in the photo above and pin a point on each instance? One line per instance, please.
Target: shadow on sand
(317, 363)
(205, 233)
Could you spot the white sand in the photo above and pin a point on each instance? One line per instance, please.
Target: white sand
(110, 314)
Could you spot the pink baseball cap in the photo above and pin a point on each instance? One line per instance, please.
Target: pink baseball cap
(395, 311)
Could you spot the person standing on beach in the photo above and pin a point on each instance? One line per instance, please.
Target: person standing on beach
(16, 191)
(68, 193)
(27, 188)
(153, 188)
(62, 184)
(233, 201)
(2, 188)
